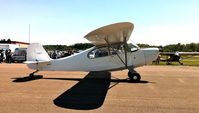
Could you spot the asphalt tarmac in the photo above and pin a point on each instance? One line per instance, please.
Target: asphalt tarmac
(163, 89)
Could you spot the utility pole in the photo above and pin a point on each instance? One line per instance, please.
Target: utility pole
(29, 33)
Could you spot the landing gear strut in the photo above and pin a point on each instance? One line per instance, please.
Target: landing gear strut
(31, 75)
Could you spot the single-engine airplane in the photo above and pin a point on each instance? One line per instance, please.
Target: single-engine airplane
(110, 53)
(177, 56)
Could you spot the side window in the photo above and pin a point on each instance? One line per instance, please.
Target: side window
(113, 50)
(106, 51)
(98, 52)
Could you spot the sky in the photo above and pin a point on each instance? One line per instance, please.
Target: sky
(66, 22)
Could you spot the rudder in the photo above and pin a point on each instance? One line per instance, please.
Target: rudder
(36, 52)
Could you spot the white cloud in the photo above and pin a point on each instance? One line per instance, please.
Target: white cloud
(47, 38)
(163, 35)
(58, 38)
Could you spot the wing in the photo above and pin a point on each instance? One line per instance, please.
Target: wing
(167, 53)
(189, 53)
(114, 33)
(180, 53)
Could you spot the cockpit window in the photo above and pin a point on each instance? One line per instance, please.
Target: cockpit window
(98, 52)
(113, 50)
(107, 51)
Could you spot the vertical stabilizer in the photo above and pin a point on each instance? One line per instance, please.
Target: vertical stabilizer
(36, 52)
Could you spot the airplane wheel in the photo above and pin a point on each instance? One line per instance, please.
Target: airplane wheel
(134, 77)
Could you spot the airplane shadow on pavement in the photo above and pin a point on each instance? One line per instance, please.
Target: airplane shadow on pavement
(89, 93)
(27, 78)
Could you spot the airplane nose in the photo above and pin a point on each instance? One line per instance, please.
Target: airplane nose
(150, 54)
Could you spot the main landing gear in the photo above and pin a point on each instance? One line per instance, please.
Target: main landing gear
(133, 75)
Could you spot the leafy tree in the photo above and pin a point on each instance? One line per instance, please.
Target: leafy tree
(9, 41)
(5, 41)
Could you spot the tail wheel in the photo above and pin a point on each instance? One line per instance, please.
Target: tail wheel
(31, 75)
(134, 77)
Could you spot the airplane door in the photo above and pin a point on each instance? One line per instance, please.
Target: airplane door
(116, 60)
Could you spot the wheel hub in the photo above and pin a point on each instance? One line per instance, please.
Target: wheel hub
(135, 77)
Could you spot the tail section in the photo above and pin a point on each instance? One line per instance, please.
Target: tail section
(36, 53)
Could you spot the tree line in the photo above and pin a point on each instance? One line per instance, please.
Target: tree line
(77, 46)
(191, 47)
(5, 41)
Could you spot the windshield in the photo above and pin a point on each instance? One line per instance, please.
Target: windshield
(132, 45)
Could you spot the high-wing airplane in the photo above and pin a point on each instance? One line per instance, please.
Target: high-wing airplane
(111, 52)
(177, 56)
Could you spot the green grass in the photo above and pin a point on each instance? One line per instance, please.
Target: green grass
(191, 58)
(184, 57)
(185, 63)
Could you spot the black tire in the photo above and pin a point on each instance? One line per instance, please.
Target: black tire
(134, 77)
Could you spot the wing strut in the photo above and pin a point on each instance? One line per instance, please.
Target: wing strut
(125, 63)
(125, 50)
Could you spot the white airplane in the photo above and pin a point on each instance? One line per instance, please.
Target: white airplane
(110, 53)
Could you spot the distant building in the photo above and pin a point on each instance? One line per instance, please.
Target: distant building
(21, 44)
(13, 44)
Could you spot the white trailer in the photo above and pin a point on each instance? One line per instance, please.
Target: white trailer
(12, 47)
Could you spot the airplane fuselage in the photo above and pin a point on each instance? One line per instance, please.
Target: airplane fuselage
(82, 62)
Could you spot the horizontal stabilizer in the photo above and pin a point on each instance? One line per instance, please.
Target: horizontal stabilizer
(37, 62)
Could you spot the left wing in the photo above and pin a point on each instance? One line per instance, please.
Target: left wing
(114, 33)
(188, 53)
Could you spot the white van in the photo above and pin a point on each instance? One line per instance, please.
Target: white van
(19, 55)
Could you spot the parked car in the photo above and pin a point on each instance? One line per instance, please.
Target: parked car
(19, 55)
